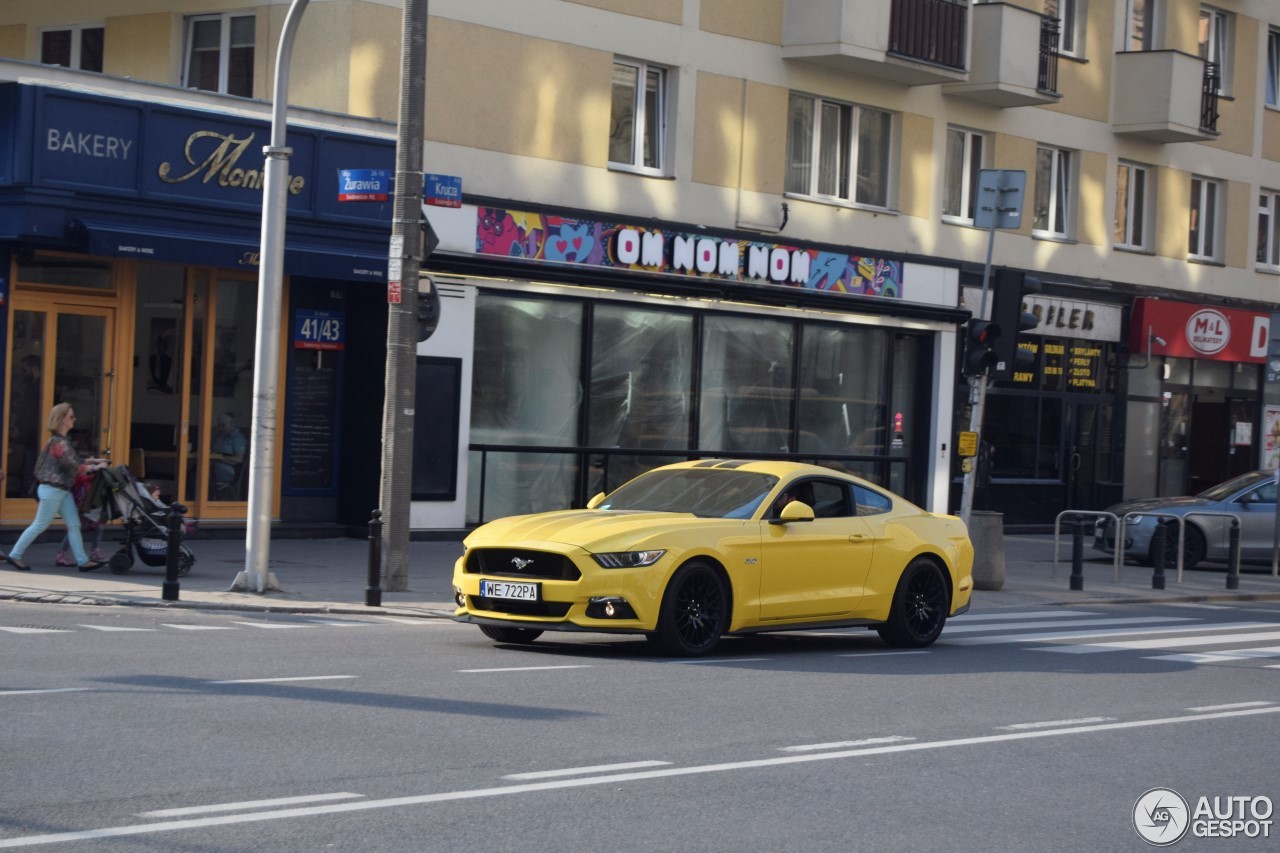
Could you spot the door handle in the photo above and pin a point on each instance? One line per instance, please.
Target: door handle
(859, 537)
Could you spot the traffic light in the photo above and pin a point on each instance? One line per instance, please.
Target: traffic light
(428, 307)
(979, 355)
(1012, 289)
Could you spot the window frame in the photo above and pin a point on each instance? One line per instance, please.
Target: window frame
(1152, 21)
(1140, 202)
(1057, 197)
(1206, 195)
(1271, 94)
(969, 170)
(1070, 31)
(848, 157)
(1268, 231)
(77, 32)
(225, 21)
(1217, 43)
(641, 120)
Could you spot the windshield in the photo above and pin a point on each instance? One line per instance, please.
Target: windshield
(1222, 491)
(703, 492)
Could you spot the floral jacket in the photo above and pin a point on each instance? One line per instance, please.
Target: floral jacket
(58, 463)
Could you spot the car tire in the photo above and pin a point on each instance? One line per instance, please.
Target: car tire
(920, 606)
(514, 636)
(694, 612)
(1193, 547)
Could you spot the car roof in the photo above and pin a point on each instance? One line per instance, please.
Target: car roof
(777, 467)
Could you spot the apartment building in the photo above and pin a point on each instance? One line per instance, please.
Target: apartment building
(739, 227)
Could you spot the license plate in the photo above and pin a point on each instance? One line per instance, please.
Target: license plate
(506, 589)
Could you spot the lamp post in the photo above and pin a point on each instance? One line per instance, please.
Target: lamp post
(256, 576)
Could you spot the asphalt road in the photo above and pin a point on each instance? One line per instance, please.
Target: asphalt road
(136, 729)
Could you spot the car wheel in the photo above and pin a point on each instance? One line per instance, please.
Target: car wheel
(1193, 547)
(919, 608)
(515, 636)
(694, 613)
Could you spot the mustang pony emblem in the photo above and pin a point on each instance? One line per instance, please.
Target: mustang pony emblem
(520, 564)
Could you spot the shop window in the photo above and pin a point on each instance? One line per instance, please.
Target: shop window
(435, 438)
(77, 46)
(637, 127)
(842, 390)
(219, 54)
(838, 151)
(1025, 434)
(1053, 192)
(1202, 243)
(1133, 202)
(66, 271)
(964, 161)
(747, 386)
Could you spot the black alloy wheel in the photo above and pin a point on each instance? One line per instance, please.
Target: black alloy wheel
(1193, 546)
(514, 636)
(919, 608)
(695, 612)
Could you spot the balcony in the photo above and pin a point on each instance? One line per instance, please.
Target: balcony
(1164, 96)
(1015, 58)
(912, 42)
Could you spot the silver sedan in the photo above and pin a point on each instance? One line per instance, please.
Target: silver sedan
(1250, 498)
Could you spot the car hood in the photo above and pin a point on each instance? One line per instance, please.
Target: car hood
(1150, 504)
(593, 530)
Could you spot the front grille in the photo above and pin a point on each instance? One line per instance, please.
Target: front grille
(550, 609)
(507, 563)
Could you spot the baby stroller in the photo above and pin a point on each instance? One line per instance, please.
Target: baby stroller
(145, 523)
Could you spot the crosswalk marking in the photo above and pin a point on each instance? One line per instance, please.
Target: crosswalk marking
(1220, 657)
(1042, 637)
(1095, 623)
(1025, 614)
(21, 630)
(113, 628)
(271, 624)
(197, 627)
(1161, 643)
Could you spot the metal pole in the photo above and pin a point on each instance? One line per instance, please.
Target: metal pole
(256, 576)
(1275, 540)
(173, 552)
(1077, 554)
(977, 390)
(404, 262)
(373, 592)
(1233, 558)
(1158, 539)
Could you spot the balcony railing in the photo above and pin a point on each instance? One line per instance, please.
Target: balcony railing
(1048, 80)
(1209, 97)
(929, 31)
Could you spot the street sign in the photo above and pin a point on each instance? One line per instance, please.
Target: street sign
(320, 330)
(364, 184)
(1000, 193)
(442, 190)
(967, 446)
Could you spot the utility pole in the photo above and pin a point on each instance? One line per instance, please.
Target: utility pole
(405, 257)
(257, 576)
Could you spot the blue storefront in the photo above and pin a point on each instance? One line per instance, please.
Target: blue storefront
(129, 236)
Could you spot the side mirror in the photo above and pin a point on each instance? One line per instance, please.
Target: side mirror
(596, 501)
(792, 512)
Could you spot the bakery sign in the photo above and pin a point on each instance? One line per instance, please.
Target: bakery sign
(1190, 330)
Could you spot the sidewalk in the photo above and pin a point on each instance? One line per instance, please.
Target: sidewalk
(330, 575)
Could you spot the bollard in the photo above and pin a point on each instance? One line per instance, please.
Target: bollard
(373, 592)
(1077, 554)
(1233, 558)
(1158, 540)
(173, 551)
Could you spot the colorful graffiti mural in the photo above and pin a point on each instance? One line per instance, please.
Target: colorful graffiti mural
(561, 240)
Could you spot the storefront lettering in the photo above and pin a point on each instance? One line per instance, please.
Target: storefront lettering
(98, 145)
(777, 264)
(248, 259)
(220, 164)
(1058, 316)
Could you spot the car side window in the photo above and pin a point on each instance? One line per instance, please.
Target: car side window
(830, 499)
(870, 502)
(1264, 494)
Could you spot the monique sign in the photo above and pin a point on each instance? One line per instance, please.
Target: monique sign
(555, 239)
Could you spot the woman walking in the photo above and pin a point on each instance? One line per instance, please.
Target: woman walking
(56, 470)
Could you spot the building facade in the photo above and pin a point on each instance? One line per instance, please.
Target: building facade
(667, 228)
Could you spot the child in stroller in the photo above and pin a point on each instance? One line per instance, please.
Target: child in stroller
(145, 521)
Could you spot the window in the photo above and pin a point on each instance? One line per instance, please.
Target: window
(73, 47)
(1067, 13)
(1133, 183)
(1141, 25)
(838, 151)
(1205, 199)
(1273, 68)
(964, 161)
(1053, 192)
(1215, 42)
(637, 128)
(220, 54)
(1269, 230)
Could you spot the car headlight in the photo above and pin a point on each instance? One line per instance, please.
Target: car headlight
(628, 559)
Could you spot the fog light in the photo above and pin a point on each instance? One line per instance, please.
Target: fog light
(459, 597)
(609, 607)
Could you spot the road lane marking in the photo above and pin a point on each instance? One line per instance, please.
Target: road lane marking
(1083, 623)
(528, 668)
(1220, 657)
(21, 630)
(1026, 614)
(288, 678)
(1160, 643)
(271, 624)
(338, 623)
(1085, 635)
(181, 627)
(1205, 709)
(1049, 724)
(114, 628)
(881, 654)
(608, 779)
(845, 744)
(47, 690)
(712, 660)
(582, 771)
(1194, 606)
(252, 804)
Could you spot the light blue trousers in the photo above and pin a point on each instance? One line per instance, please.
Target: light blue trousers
(53, 502)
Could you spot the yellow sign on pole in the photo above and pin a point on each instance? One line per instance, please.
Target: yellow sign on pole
(967, 446)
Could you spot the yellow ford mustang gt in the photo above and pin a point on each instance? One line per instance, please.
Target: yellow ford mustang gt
(689, 552)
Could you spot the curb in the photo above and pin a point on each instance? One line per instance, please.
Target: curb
(342, 609)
